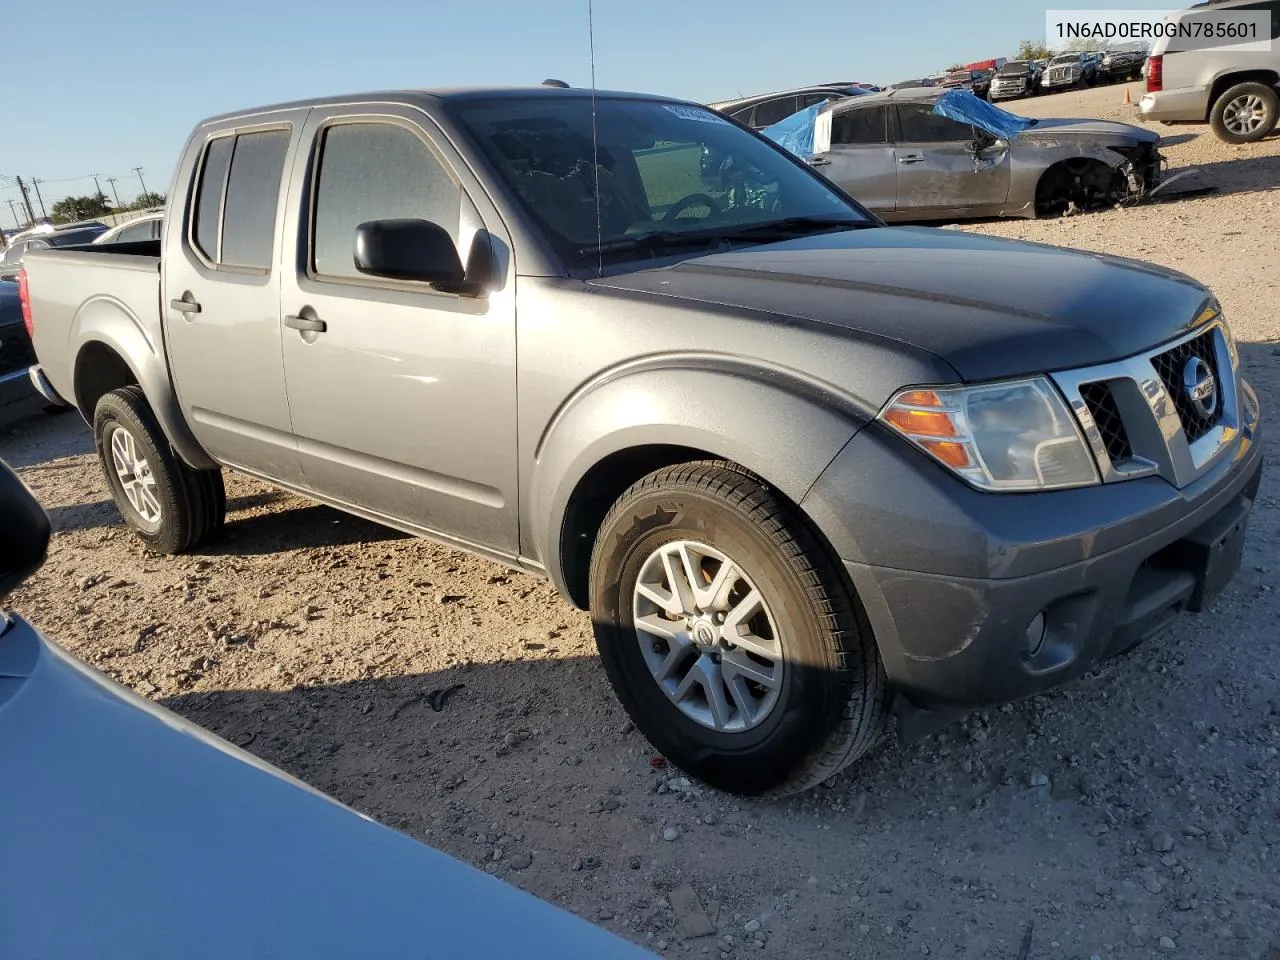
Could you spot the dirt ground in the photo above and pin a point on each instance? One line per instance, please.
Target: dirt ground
(1135, 813)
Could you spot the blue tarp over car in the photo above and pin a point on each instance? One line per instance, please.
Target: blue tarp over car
(963, 107)
(800, 133)
(795, 133)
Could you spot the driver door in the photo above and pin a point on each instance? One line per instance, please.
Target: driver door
(943, 169)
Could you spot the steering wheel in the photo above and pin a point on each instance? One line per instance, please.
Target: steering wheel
(692, 200)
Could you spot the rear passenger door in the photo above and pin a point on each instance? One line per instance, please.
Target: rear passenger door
(404, 403)
(221, 297)
(861, 158)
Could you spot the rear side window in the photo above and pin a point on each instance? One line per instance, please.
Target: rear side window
(771, 111)
(135, 232)
(253, 191)
(375, 171)
(744, 116)
(919, 124)
(860, 126)
(213, 180)
(1274, 7)
(236, 201)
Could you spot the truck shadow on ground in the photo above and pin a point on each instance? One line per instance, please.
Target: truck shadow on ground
(299, 527)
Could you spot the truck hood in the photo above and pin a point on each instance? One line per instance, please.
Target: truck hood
(1101, 130)
(989, 307)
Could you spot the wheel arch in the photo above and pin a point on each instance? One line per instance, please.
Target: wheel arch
(627, 428)
(1227, 80)
(112, 349)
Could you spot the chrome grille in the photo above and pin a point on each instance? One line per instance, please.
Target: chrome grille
(1139, 418)
(1170, 365)
(1102, 406)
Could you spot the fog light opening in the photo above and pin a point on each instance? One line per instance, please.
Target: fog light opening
(1033, 640)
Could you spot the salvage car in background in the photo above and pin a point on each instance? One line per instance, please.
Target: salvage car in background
(16, 353)
(977, 82)
(765, 109)
(1016, 79)
(1069, 71)
(897, 154)
(121, 817)
(146, 227)
(63, 236)
(1122, 63)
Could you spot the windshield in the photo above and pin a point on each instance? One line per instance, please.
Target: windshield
(1057, 61)
(670, 170)
(1016, 66)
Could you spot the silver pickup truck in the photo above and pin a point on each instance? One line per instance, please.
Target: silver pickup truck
(799, 466)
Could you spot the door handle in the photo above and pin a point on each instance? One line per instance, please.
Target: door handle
(911, 158)
(186, 304)
(819, 162)
(305, 324)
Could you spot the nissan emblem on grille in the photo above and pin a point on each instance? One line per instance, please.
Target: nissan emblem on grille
(1201, 387)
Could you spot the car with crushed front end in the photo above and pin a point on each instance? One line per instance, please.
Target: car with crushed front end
(801, 467)
(904, 158)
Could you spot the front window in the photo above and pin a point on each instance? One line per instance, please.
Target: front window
(666, 171)
(1064, 61)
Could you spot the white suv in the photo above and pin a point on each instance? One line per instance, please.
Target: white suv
(1235, 91)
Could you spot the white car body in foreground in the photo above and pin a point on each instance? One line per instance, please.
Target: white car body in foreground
(127, 833)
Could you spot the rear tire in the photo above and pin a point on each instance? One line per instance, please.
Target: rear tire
(1245, 113)
(765, 616)
(171, 506)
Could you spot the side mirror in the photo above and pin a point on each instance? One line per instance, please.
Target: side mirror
(409, 250)
(24, 534)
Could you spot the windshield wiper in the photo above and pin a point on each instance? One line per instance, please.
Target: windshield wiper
(655, 240)
(791, 227)
(664, 241)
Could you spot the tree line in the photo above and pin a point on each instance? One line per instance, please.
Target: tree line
(73, 209)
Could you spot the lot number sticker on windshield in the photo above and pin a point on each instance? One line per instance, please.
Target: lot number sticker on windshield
(695, 113)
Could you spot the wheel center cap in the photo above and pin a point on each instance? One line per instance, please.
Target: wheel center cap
(705, 634)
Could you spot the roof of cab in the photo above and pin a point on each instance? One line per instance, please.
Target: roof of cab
(444, 95)
(884, 96)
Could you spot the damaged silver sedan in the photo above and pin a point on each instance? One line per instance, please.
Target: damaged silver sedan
(924, 154)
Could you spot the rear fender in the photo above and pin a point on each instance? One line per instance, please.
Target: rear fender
(109, 321)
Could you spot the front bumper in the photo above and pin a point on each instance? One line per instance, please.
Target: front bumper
(951, 579)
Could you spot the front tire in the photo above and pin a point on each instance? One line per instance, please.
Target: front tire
(170, 506)
(730, 634)
(1245, 113)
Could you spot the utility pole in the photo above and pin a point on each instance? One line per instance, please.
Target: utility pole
(16, 219)
(36, 183)
(112, 181)
(96, 185)
(138, 171)
(26, 201)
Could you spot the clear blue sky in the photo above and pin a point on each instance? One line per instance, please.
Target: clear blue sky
(97, 87)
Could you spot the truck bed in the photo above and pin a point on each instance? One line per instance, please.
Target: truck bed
(74, 290)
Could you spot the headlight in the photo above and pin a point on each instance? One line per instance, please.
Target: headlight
(1014, 436)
